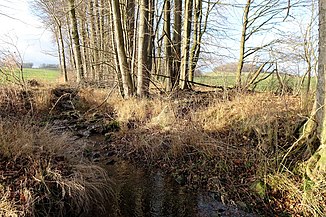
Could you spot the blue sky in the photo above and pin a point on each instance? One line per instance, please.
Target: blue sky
(34, 42)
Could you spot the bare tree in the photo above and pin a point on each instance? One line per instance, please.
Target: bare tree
(167, 45)
(143, 36)
(186, 44)
(124, 67)
(75, 37)
(258, 17)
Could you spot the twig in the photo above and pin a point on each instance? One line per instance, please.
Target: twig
(102, 103)
(55, 104)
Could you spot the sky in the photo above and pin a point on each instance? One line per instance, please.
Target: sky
(20, 26)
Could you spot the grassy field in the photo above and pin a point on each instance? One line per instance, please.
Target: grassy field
(46, 75)
(41, 75)
(270, 84)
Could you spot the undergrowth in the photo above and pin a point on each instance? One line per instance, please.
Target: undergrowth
(41, 172)
(224, 142)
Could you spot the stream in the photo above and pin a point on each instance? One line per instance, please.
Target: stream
(139, 193)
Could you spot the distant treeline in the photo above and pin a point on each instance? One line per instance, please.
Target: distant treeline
(232, 67)
(28, 65)
(49, 66)
(42, 66)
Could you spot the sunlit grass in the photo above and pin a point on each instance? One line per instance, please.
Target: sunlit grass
(45, 75)
(40, 75)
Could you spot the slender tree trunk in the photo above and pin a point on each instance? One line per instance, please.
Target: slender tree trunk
(75, 37)
(63, 54)
(122, 58)
(116, 61)
(85, 48)
(151, 36)
(97, 45)
(177, 41)
(167, 45)
(194, 53)
(242, 43)
(94, 39)
(186, 44)
(143, 74)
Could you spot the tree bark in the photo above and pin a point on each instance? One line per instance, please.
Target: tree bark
(177, 40)
(119, 40)
(94, 39)
(75, 37)
(186, 45)
(316, 165)
(63, 54)
(143, 74)
(242, 43)
(167, 45)
(194, 53)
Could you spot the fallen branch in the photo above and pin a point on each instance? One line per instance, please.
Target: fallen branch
(193, 82)
(102, 103)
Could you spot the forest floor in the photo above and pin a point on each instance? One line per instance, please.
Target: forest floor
(219, 141)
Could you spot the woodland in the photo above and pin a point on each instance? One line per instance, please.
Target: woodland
(168, 108)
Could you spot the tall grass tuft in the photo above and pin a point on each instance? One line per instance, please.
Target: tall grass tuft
(50, 179)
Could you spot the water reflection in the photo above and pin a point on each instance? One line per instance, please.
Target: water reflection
(141, 194)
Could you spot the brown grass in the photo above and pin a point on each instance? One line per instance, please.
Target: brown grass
(300, 195)
(48, 180)
(227, 143)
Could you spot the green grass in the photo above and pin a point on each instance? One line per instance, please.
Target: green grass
(41, 75)
(226, 79)
(45, 75)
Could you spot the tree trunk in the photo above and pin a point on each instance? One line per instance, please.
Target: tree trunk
(317, 163)
(186, 45)
(194, 54)
(122, 58)
(167, 45)
(242, 44)
(63, 54)
(116, 61)
(75, 37)
(143, 74)
(177, 40)
(85, 48)
(94, 39)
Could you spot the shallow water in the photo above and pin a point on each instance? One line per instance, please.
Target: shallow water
(138, 193)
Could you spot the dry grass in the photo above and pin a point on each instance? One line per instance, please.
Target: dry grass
(226, 143)
(299, 196)
(226, 146)
(47, 180)
(246, 112)
(136, 110)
